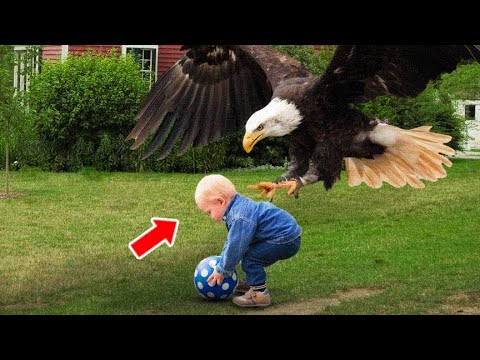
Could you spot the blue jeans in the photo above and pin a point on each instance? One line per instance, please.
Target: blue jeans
(263, 254)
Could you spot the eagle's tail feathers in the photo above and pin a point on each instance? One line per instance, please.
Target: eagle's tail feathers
(390, 172)
(420, 134)
(353, 172)
(373, 177)
(424, 128)
(410, 156)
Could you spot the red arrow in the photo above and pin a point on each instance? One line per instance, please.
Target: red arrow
(163, 231)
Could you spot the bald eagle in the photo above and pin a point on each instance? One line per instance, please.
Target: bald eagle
(215, 90)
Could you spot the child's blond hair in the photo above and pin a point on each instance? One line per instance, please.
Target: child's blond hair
(214, 186)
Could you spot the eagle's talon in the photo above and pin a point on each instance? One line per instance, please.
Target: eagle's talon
(269, 188)
(293, 186)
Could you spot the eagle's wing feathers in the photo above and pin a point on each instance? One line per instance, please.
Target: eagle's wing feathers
(359, 73)
(206, 95)
(277, 66)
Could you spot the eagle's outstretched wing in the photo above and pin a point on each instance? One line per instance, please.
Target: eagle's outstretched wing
(358, 73)
(209, 93)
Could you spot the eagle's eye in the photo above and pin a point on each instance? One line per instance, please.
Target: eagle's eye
(260, 128)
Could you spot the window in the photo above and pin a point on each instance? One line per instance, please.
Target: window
(146, 56)
(469, 112)
(27, 60)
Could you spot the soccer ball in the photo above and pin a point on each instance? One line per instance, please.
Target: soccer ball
(202, 273)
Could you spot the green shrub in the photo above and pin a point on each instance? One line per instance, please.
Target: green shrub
(195, 160)
(80, 101)
(113, 154)
(432, 107)
(463, 83)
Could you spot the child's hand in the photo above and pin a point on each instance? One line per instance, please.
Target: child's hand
(215, 278)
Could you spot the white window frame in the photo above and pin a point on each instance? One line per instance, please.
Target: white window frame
(155, 73)
(64, 52)
(21, 80)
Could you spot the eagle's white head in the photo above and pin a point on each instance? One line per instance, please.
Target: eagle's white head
(278, 118)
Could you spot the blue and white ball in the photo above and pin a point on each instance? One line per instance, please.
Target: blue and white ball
(202, 273)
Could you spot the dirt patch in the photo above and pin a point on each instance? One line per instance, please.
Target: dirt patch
(460, 304)
(23, 306)
(462, 310)
(316, 306)
(10, 195)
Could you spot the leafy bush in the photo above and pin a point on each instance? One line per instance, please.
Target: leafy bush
(272, 151)
(463, 83)
(78, 101)
(195, 160)
(432, 107)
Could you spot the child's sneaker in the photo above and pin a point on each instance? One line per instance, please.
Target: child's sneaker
(242, 287)
(253, 299)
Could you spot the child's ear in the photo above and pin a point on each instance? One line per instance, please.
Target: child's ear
(220, 201)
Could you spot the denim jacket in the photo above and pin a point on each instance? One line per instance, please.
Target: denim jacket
(249, 222)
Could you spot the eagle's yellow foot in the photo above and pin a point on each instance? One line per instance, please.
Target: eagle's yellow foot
(269, 188)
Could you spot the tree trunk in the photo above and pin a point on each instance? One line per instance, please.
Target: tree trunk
(7, 185)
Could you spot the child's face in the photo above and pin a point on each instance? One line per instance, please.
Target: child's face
(215, 208)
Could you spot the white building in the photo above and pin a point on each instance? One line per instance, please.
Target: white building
(470, 110)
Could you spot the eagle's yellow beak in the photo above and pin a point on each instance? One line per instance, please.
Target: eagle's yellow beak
(250, 139)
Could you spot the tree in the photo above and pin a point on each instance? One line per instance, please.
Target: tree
(15, 125)
(463, 83)
(7, 103)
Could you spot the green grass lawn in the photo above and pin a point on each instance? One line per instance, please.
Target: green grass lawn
(64, 245)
